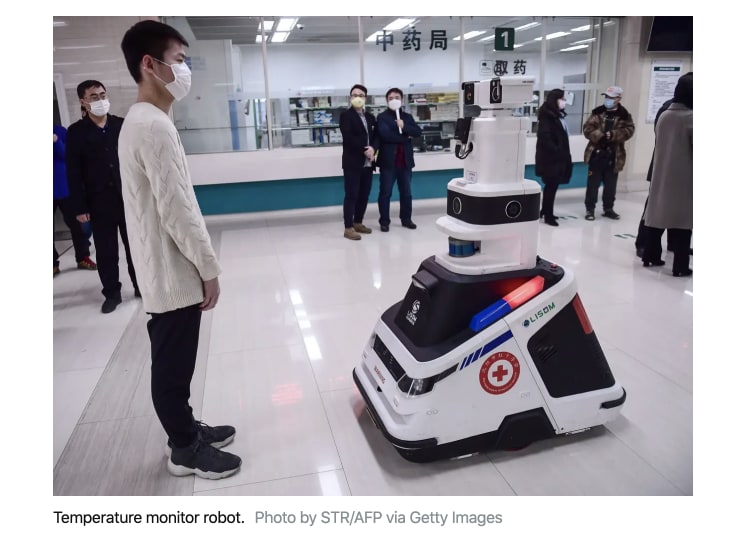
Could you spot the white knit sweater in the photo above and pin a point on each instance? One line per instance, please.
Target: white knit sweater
(169, 243)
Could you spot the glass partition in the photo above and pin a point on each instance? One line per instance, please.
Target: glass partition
(291, 91)
(221, 113)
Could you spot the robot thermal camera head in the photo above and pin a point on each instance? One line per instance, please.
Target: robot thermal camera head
(498, 93)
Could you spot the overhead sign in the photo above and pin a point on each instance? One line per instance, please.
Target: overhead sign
(504, 39)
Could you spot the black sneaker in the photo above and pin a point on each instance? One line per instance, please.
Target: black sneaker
(409, 224)
(384, 228)
(589, 215)
(611, 214)
(217, 436)
(203, 460)
(109, 305)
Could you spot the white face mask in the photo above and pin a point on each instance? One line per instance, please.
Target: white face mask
(100, 107)
(182, 83)
(394, 104)
(561, 103)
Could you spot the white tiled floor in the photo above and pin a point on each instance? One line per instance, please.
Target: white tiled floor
(298, 302)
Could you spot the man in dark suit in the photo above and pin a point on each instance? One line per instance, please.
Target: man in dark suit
(93, 173)
(358, 128)
(396, 158)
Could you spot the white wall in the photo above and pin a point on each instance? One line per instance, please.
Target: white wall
(634, 75)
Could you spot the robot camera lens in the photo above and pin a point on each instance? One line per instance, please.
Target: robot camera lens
(513, 209)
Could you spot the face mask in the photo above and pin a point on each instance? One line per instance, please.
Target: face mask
(179, 87)
(100, 108)
(357, 102)
(608, 103)
(561, 103)
(394, 104)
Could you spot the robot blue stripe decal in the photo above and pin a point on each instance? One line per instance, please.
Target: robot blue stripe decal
(488, 347)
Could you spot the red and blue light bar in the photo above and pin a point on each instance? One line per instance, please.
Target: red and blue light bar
(507, 304)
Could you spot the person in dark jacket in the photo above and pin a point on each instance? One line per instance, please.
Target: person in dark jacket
(396, 158)
(552, 161)
(640, 241)
(80, 240)
(358, 129)
(607, 128)
(671, 192)
(93, 172)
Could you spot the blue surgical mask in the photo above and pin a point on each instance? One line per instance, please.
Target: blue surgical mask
(608, 103)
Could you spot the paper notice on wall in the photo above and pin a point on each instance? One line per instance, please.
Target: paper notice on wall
(662, 86)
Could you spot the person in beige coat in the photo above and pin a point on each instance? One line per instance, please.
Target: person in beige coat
(671, 192)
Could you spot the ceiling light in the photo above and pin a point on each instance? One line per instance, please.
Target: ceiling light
(259, 38)
(470, 35)
(59, 23)
(374, 35)
(576, 47)
(589, 40)
(528, 26)
(553, 35)
(80, 47)
(489, 38)
(398, 24)
(267, 24)
(580, 28)
(279, 37)
(286, 24)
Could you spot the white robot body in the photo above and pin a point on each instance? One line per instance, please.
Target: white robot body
(491, 347)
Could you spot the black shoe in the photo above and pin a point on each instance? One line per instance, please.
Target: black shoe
(652, 263)
(137, 292)
(683, 273)
(203, 460)
(542, 214)
(589, 215)
(611, 214)
(551, 221)
(217, 436)
(409, 224)
(109, 305)
(384, 228)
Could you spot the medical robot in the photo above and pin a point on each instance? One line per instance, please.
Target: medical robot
(491, 347)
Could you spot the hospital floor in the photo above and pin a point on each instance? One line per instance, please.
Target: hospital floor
(276, 355)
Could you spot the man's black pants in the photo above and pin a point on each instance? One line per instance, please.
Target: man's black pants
(174, 340)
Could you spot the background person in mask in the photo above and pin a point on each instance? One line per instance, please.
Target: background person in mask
(358, 129)
(93, 173)
(552, 160)
(395, 158)
(607, 128)
(179, 269)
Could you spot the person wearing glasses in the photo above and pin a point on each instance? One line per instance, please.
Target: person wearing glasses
(359, 143)
(93, 174)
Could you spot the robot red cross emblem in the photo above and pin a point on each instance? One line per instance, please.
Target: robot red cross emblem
(499, 373)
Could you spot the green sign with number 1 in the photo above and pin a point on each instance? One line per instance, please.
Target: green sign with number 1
(504, 39)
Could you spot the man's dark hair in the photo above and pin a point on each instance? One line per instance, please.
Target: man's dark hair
(359, 87)
(397, 90)
(147, 37)
(84, 85)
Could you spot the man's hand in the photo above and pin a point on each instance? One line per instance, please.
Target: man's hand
(211, 290)
(368, 152)
(83, 218)
(55, 137)
(608, 135)
(400, 123)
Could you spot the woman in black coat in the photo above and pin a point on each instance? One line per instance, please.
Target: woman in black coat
(552, 161)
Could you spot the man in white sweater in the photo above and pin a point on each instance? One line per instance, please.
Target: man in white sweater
(176, 265)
